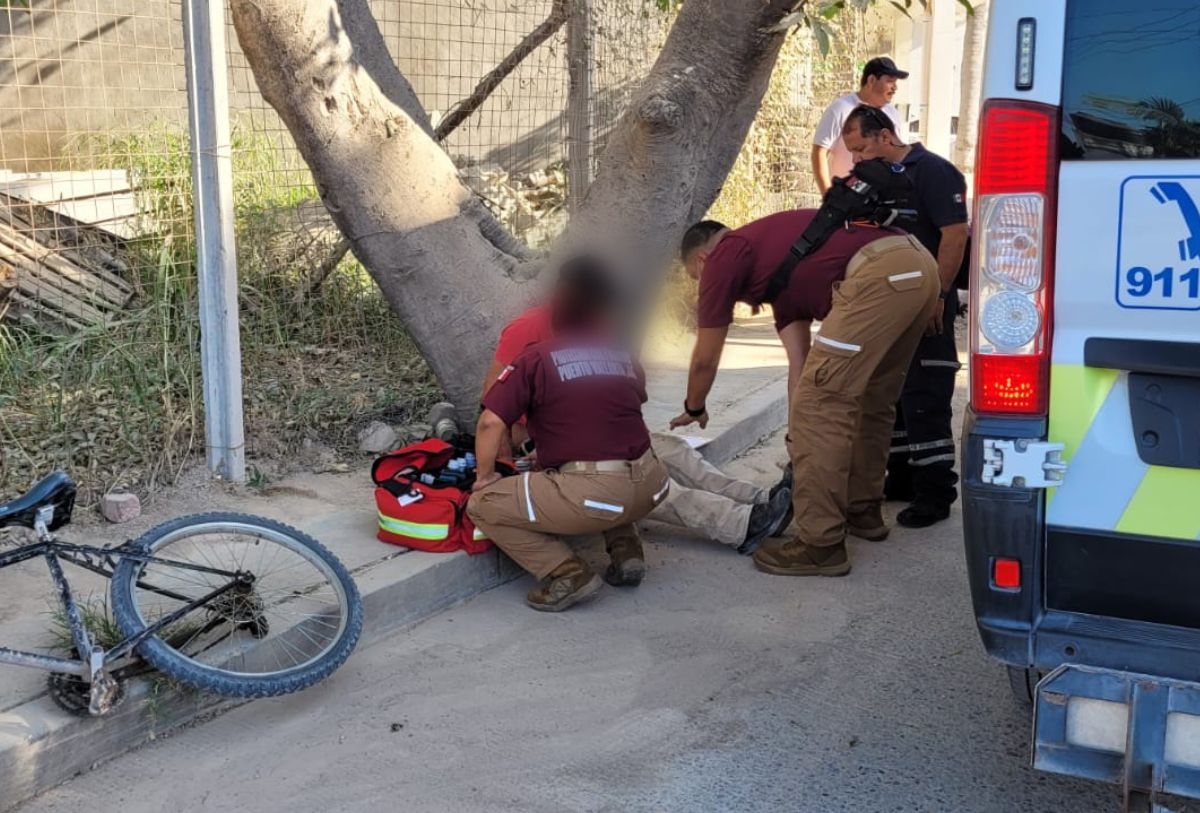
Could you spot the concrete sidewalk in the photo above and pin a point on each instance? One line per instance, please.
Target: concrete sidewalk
(41, 746)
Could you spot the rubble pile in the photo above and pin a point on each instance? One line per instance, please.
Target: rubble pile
(533, 207)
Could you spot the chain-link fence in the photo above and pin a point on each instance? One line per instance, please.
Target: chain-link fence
(99, 328)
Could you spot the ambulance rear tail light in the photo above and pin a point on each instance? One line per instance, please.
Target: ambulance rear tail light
(1016, 202)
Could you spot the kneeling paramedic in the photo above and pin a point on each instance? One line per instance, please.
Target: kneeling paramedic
(874, 289)
(702, 498)
(582, 395)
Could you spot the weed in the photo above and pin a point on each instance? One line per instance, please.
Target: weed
(101, 627)
(258, 479)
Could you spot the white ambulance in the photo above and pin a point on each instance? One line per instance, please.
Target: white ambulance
(1081, 448)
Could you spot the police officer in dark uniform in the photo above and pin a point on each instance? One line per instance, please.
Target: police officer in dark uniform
(921, 466)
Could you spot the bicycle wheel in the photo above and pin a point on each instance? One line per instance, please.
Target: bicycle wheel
(288, 617)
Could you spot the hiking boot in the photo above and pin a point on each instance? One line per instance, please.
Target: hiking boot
(922, 515)
(766, 519)
(797, 559)
(569, 583)
(868, 525)
(627, 562)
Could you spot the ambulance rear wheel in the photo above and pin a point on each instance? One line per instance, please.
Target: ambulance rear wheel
(1023, 682)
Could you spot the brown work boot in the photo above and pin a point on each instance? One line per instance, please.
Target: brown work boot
(797, 559)
(868, 524)
(628, 562)
(568, 584)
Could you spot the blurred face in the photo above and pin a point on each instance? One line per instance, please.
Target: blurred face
(694, 262)
(879, 90)
(863, 148)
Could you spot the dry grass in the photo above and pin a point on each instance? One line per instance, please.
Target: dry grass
(120, 405)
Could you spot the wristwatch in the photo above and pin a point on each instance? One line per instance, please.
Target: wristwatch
(694, 413)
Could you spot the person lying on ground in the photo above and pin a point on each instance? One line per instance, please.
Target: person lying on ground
(702, 498)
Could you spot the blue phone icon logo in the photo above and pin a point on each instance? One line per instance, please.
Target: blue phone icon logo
(1164, 191)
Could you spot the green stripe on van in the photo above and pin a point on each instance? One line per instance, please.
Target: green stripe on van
(1076, 395)
(1167, 503)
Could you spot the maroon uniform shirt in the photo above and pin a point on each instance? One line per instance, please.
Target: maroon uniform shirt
(741, 265)
(582, 399)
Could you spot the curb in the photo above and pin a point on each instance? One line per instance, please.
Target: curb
(769, 416)
(41, 746)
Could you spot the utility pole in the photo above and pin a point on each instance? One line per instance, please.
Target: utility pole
(216, 258)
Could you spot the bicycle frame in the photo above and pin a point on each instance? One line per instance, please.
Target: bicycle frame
(94, 660)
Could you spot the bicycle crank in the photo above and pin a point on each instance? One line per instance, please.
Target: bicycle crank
(73, 694)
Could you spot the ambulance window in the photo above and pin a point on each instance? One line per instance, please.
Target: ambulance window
(1130, 87)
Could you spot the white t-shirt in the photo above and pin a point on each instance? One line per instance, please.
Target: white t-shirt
(829, 132)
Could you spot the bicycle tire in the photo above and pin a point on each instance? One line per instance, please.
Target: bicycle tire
(227, 683)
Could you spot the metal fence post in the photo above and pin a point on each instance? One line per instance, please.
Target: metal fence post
(216, 259)
(579, 102)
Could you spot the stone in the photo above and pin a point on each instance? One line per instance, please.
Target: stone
(120, 507)
(442, 420)
(377, 437)
(417, 432)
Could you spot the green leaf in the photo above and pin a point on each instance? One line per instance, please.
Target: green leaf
(967, 5)
(902, 9)
(833, 10)
(822, 35)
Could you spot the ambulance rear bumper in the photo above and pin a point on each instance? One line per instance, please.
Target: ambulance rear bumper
(1002, 523)
(1107, 600)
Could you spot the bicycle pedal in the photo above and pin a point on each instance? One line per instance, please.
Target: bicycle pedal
(105, 694)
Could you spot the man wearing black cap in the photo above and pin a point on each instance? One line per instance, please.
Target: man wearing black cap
(830, 158)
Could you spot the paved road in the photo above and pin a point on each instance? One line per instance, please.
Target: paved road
(710, 688)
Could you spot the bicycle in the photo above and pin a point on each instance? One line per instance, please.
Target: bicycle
(237, 605)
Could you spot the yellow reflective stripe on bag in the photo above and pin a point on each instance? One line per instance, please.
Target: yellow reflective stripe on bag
(416, 530)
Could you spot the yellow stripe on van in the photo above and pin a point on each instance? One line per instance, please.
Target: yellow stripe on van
(1076, 395)
(1167, 503)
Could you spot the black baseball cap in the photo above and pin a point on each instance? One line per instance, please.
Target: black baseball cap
(882, 66)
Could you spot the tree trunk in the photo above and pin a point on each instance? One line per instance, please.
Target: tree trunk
(971, 88)
(449, 270)
(668, 157)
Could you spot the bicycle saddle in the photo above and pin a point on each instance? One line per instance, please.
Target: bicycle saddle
(56, 489)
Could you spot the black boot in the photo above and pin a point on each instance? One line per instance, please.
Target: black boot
(922, 515)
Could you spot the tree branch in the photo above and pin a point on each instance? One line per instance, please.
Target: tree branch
(488, 84)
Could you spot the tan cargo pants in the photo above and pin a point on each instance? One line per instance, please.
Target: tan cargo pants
(844, 405)
(524, 515)
(702, 497)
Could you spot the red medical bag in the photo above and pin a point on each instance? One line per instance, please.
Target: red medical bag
(416, 514)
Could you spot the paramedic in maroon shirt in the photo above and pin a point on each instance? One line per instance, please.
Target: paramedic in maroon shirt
(874, 290)
(582, 394)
